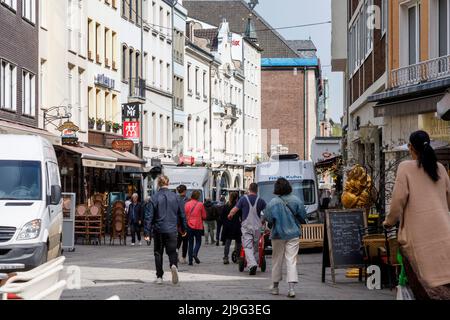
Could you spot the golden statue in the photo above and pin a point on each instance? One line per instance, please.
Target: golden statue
(357, 189)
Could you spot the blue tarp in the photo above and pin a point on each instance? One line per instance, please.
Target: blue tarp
(289, 62)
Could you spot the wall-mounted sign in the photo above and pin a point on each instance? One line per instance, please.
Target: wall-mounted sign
(123, 145)
(130, 111)
(69, 133)
(98, 164)
(104, 81)
(131, 131)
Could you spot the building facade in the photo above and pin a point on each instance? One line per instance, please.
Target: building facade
(19, 67)
(418, 79)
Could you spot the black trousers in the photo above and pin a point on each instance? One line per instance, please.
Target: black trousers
(183, 244)
(237, 248)
(219, 228)
(167, 241)
(135, 229)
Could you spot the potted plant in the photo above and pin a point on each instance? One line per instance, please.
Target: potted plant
(108, 125)
(116, 127)
(91, 123)
(100, 122)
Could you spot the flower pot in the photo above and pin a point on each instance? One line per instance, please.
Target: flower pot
(99, 127)
(115, 130)
(91, 126)
(108, 128)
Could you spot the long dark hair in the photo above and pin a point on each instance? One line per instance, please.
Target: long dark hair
(420, 140)
(233, 197)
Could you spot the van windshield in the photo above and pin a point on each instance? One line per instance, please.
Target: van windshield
(20, 180)
(304, 189)
(189, 194)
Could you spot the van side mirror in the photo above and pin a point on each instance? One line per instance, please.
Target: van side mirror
(55, 197)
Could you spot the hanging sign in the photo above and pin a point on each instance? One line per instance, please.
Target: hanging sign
(130, 111)
(131, 131)
(69, 133)
(123, 145)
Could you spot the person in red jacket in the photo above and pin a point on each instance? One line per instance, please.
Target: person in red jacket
(195, 214)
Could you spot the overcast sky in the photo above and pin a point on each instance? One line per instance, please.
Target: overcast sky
(285, 13)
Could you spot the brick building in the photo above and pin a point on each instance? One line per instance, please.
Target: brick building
(284, 64)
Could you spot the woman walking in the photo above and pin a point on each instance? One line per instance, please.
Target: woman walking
(285, 213)
(195, 214)
(421, 203)
(231, 229)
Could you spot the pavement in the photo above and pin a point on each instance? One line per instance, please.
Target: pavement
(129, 272)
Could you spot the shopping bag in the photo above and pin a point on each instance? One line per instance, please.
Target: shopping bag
(403, 290)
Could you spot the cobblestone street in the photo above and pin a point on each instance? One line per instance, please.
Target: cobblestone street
(129, 272)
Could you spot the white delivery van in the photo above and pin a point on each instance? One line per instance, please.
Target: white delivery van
(194, 178)
(30, 201)
(300, 174)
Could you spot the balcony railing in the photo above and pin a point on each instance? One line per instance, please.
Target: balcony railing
(422, 72)
(137, 89)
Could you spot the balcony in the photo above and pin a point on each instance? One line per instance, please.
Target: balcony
(430, 70)
(137, 92)
(231, 112)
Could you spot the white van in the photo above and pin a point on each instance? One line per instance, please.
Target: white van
(30, 201)
(300, 174)
(194, 178)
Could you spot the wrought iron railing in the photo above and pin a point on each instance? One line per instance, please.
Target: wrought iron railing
(421, 72)
(137, 88)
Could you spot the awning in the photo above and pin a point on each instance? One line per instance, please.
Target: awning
(407, 107)
(443, 107)
(328, 163)
(7, 127)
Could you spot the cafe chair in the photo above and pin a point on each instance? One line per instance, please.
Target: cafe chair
(95, 225)
(118, 223)
(81, 222)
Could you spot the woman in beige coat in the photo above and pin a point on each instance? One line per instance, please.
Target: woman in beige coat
(421, 202)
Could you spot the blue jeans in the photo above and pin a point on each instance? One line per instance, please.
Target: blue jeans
(197, 236)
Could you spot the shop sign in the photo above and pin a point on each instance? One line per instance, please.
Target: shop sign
(98, 164)
(123, 145)
(104, 81)
(131, 131)
(69, 133)
(130, 111)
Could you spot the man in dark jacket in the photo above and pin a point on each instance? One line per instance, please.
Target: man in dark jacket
(135, 219)
(218, 208)
(182, 237)
(210, 222)
(162, 218)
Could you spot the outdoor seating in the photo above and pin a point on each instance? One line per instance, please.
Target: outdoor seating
(312, 236)
(118, 226)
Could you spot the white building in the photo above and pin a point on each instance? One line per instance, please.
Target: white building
(197, 123)
(63, 70)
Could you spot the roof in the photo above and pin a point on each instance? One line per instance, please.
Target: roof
(236, 12)
(289, 62)
(304, 48)
(210, 35)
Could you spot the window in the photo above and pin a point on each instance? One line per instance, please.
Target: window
(168, 76)
(169, 23)
(443, 30)
(161, 74)
(204, 134)
(413, 34)
(28, 94)
(204, 84)
(29, 10)
(196, 82)
(154, 70)
(161, 19)
(154, 136)
(98, 43)
(8, 86)
(114, 50)
(169, 133)
(189, 79)
(161, 130)
(10, 3)
(154, 12)
(384, 15)
(124, 62)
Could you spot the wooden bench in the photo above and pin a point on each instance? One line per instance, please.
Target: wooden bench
(312, 236)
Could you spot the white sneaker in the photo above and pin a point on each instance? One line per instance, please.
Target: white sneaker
(174, 270)
(159, 281)
(133, 244)
(275, 291)
(291, 293)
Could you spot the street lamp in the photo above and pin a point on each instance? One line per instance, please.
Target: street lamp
(253, 3)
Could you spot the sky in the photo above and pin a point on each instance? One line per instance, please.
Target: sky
(285, 13)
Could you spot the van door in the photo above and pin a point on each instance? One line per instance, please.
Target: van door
(54, 212)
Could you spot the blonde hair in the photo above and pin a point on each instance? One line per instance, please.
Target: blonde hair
(163, 181)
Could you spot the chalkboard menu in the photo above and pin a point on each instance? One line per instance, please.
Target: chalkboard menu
(343, 239)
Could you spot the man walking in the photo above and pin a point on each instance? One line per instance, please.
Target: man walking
(218, 212)
(251, 206)
(210, 222)
(182, 237)
(135, 216)
(162, 218)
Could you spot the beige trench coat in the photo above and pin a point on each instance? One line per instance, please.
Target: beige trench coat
(422, 207)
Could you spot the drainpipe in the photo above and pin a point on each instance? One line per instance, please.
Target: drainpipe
(210, 120)
(243, 112)
(305, 112)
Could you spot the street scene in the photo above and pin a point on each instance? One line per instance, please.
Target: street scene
(233, 150)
